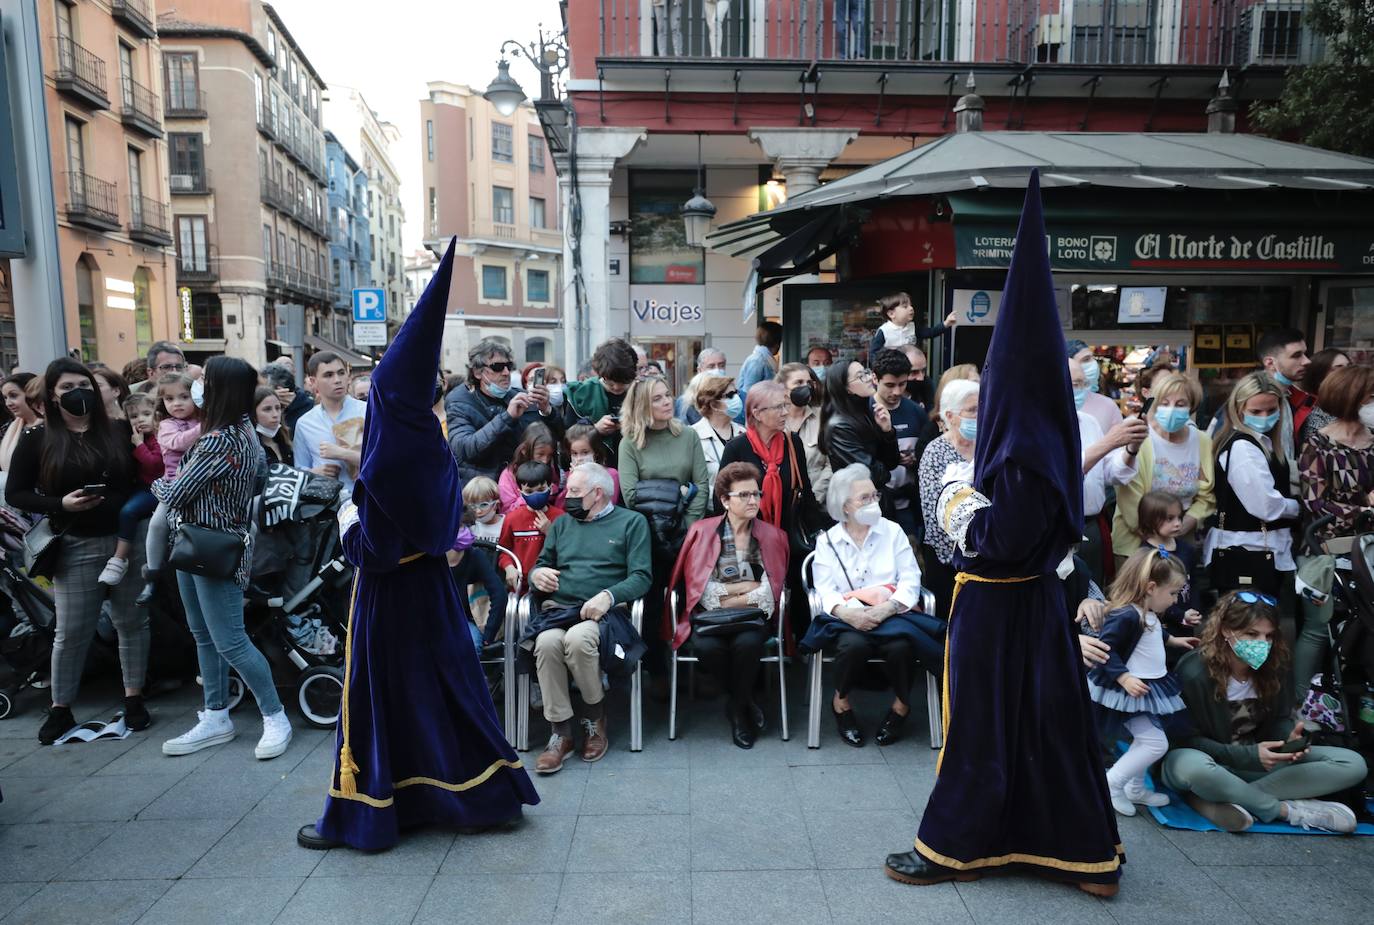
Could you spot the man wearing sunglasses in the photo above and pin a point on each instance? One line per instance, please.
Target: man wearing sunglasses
(487, 416)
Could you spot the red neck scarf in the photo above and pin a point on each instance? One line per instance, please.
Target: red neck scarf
(770, 508)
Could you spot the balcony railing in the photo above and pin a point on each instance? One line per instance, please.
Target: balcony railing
(139, 107)
(1125, 32)
(200, 267)
(92, 201)
(81, 74)
(267, 123)
(184, 103)
(190, 184)
(148, 221)
(136, 15)
(274, 195)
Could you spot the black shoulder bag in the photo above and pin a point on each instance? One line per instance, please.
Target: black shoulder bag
(206, 552)
(728, 621)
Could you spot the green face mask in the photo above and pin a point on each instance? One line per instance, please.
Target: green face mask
(1253, 652)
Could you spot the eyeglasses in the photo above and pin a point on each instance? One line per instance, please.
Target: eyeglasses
(500, 367)
(745, 496)
(863, 375)
(1254, 597)
(775, 408)
(869, 498)
(170, 368)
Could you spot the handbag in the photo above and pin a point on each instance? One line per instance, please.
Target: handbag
(663, 502)
(801, 542)
(727, 621)
(1235, 568)
(206, 552)
(41, 549)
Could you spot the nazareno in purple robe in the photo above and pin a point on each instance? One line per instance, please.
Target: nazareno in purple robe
(418, 737)
(1020, 780)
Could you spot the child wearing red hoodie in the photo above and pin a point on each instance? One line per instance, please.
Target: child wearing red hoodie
(527, 525)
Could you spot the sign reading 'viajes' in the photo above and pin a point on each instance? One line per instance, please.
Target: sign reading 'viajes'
(1338, 251)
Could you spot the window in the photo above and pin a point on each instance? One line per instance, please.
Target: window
(193, 253)
(536, 154)
(494, 283)
(267, 243)
(536, 349)
(272, 44)
(207, 317)
(433, 211)
(503, 205)
(658, 241)
(429, 139)
(471, 142)
(76, 150)
(537, 286)
(292, 258)
(181, 81)
(85, 304)
(126, 75)
(537, 216)
(501, 144)
(64, 21)
(257, 95)
(136, 185)
(281, 246)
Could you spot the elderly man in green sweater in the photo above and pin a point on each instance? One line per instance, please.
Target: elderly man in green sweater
(594, 559)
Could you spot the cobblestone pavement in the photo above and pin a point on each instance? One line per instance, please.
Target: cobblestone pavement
(691, 830)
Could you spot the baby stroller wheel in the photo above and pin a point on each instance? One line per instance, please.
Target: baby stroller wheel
(6, 705)
(319, 694)
(236, 689)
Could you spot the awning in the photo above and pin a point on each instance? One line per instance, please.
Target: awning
(353, 357)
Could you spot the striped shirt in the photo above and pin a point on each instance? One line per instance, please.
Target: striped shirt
(214, 486)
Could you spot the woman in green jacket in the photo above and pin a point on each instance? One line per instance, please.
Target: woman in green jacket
(1243, 764)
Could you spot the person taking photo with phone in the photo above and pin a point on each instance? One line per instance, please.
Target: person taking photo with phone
(487, 416)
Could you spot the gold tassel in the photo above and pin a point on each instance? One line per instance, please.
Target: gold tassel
(348, 786)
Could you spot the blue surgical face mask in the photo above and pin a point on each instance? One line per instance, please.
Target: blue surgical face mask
(1261, 423)
(717, 372)
(536, 500)
(1281, 379)
(1079, 397)
(1092, 372)
(734, 406)
(1172, 420)
(968, 428)
(496, 389)
(820, 371)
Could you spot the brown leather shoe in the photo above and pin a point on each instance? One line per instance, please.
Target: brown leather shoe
(595, 744)
(554, 754)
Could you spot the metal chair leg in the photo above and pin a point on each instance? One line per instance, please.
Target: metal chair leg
(782, 692)
(813, 713)
(672, 698)
(934, 713)
(637, 686)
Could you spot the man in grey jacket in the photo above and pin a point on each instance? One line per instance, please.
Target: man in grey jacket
(487, 417)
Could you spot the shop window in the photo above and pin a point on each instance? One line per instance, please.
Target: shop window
(494, 283)
(537, 286)
(658, 240)
(85, 308)
(143, 310)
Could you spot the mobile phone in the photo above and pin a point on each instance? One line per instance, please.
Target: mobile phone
(615, 418)
(94, 490)
(1145, 408)
(538, 379)
(1295, 745)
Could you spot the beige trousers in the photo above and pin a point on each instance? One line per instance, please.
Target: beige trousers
(558, 652)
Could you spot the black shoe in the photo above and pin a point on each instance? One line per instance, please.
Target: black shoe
(892, 728)
(910, 867)
(741, 727)
(849, 727)
(59, 721)
(307, 837)
(145, 597)
(756, 717)
(136, 714)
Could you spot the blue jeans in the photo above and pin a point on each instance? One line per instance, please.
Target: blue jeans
(214, 613)
(851, 27)
(140, 505)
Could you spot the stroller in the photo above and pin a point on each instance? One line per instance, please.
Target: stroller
(26, 632)
(296, 606)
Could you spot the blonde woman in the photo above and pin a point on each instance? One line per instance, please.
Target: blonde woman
(1251, 547)
(1177, 458)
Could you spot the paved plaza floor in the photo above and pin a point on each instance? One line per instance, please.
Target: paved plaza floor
(694, 830)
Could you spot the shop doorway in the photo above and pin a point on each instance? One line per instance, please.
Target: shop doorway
(676, 356)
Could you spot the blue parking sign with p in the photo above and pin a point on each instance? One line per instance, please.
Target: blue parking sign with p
(369, 305)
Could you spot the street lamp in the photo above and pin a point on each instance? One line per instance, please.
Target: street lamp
(698, 211)
(549, 56)
(505, 93)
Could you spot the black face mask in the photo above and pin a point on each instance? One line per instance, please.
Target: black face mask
(77, 402)
(801, 396)
(574, 508)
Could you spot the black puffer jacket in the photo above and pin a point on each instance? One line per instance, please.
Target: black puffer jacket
(482, 435)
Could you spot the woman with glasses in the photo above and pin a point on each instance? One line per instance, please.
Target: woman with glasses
(1252, 543)
(958, 400)
(853, 428)
(1249, 760)
(718, 402)
(869, 586)
(732, 561)
(803, 390)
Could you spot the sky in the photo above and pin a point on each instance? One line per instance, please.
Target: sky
(389, 50)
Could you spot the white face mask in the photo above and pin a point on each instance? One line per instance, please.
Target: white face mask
(555, 394)
(268, 432)
(1367, 415)
(868, 515)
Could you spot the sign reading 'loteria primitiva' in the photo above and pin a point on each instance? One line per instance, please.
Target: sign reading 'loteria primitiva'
(1340, 250)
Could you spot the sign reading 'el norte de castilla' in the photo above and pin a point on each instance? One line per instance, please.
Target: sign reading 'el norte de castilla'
(1332, 251)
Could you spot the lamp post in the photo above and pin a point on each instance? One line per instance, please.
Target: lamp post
(549, 56)
(698, 211)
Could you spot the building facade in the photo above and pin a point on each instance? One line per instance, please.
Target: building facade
(489, 181)
(248, 180)
(359, 129)
(770, 100)
(350, 247)
(102, 76)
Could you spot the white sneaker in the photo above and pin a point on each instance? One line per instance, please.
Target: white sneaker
(1137, 792)
(215, 728)
(113, 572)
(276, 735)
(1321, 814)
(1120, 802)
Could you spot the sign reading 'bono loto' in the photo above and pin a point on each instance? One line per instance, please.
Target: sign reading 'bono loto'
(668, 311)
(1335, 251)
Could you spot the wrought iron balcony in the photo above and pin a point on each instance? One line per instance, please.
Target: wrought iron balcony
(139, 108)
(1094, 32)
(92, 202)
(148, 221)
(191, 184)
(267, 122)
(275, 196)
(184, 103)
(81, 74)
(136, 15)
(193, 268)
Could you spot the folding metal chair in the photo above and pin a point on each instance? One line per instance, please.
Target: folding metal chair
(816, 661)
(778, 656)
(509, 636)
(522, 709)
